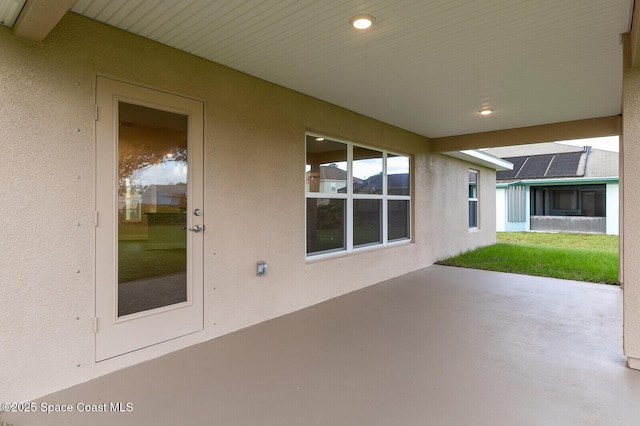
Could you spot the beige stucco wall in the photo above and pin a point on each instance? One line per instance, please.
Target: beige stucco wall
(445, 176)
(630, 215)
(254, 199)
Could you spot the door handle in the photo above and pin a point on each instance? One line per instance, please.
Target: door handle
(197, 228)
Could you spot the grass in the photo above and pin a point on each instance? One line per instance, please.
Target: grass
(137, 262)
(581, 257)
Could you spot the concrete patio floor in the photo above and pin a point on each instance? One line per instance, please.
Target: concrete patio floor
(439, 346)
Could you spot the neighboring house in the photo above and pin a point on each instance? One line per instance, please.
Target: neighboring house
(334, 179)
(164, 199)
(373, 185)
(330, 178)
(556, 187)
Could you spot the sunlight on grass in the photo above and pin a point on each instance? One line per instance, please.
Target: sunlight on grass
(581, 257)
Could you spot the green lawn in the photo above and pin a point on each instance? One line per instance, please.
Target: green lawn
(137, 261)
(582, 257)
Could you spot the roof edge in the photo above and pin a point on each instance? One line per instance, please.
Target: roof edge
(559, 181)
(481, 158)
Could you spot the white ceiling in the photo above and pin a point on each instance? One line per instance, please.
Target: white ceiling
(426, 65)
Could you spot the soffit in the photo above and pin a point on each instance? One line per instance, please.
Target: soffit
(533, 149)
(481, 158)
(425, 66)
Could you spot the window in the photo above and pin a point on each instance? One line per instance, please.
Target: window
(356, 196)
(577, 200)
(565, 199)
(473, 199)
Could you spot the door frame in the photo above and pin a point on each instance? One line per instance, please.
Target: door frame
(119, 335)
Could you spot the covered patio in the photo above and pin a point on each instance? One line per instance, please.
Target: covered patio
(441, 346)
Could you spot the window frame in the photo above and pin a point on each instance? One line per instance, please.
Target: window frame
(549, 205)
(475, 199)
(350, 196)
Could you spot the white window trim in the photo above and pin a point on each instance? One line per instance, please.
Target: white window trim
(476, 199)
(349, 196)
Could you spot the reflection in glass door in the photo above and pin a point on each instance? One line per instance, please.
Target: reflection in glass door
(152, 208)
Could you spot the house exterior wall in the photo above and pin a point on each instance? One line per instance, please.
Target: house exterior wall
(630, 215)
(613, 208)
(517, 226)
(501, 209)
(254, 199)
(595, 225)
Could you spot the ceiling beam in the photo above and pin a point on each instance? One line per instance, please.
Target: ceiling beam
(631, 40)
(579, 129)
(39, 17)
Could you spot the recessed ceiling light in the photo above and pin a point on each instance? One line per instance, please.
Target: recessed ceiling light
(361, 22)
(486, 111)
(320, 139)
